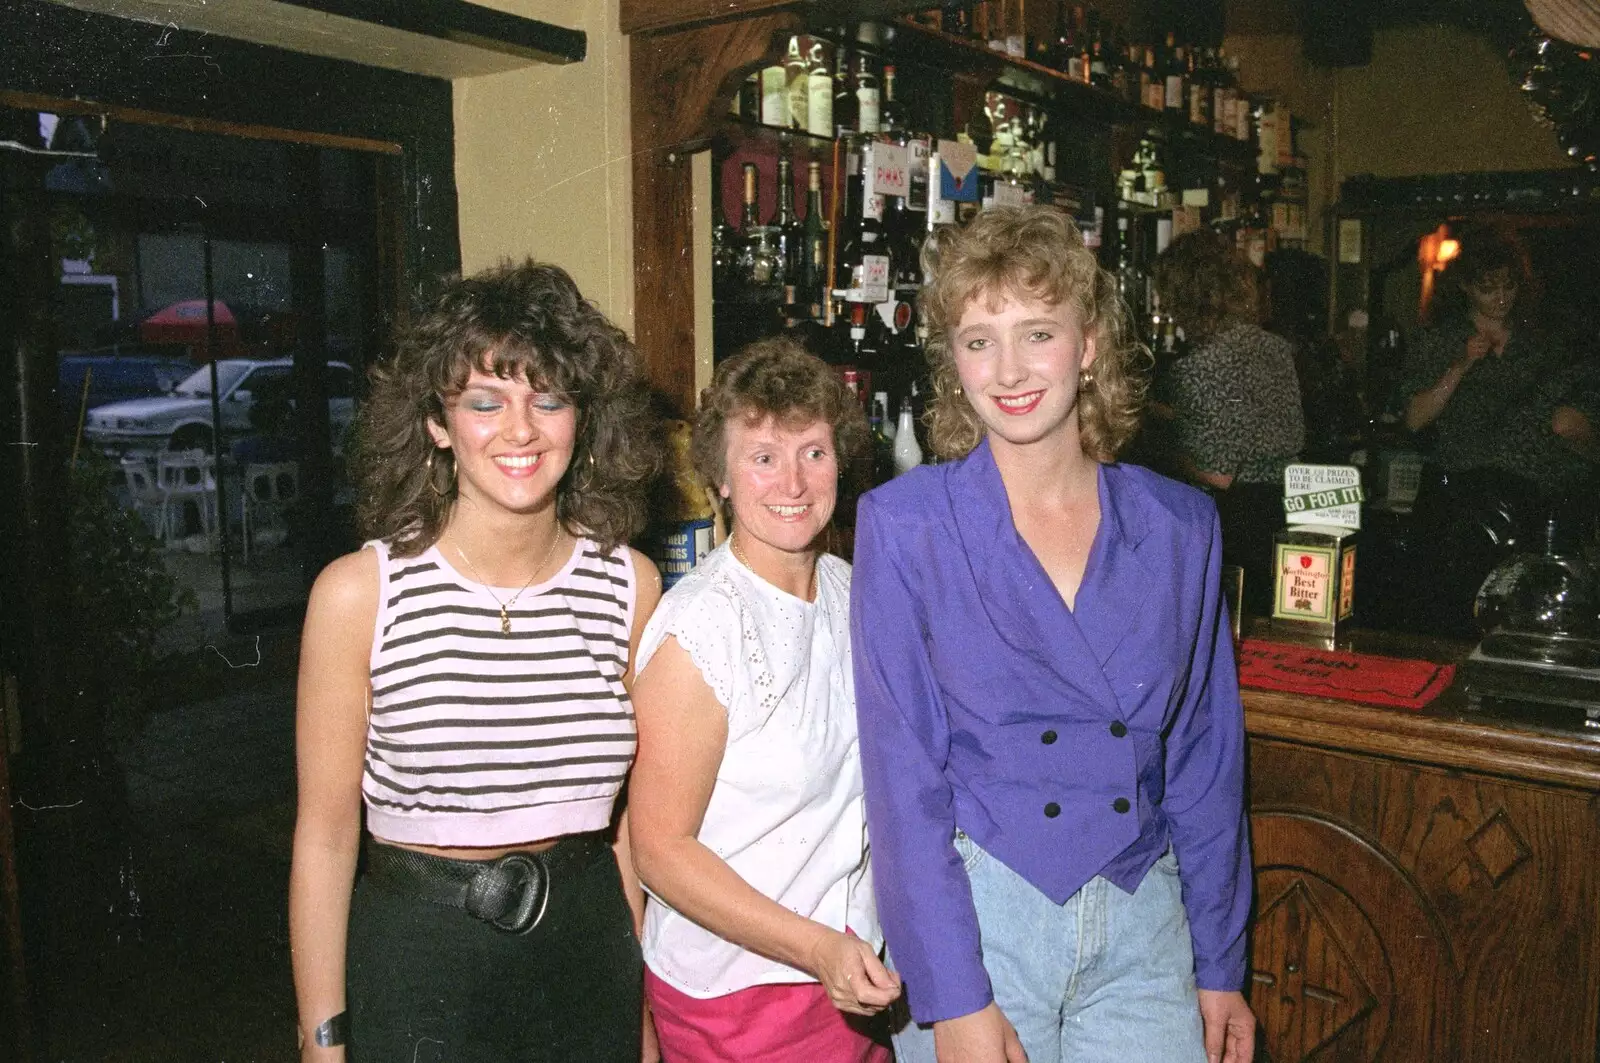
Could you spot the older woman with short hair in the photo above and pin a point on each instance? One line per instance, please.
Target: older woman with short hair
(748, 821)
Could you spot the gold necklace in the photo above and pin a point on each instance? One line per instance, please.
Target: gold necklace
(505, 606)
(733, 545)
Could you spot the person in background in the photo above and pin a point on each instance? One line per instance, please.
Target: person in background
(1497, 392)
(466, 674)
(761, 934)
(1506, 416)
(1051, 731)
(1235, 398)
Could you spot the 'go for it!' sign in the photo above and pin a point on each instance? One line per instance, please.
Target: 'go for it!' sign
(1328, 495)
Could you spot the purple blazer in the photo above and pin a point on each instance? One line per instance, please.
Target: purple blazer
(1066, 743)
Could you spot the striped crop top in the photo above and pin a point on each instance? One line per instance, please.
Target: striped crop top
(480, 738)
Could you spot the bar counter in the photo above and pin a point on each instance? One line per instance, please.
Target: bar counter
(1426, 882)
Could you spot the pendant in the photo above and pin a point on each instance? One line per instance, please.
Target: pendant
(505, 621)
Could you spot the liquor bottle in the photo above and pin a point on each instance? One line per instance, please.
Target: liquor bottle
(1016, 32)
(819, 92)
(1200, 79)
(1152, 91)
(747, 101)
(846, 107)
(724, 254)
(864, 267)
(868, 101)
(891, 120)
(1175, 97)
(797, 81)
(814, 276)
(882, 438)
(759, 263)
(907, 454)
(1062, 50)
(955, 17)
(790, 238)
(774, 96)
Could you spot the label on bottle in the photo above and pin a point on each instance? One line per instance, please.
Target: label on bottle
(1220, 117)
(1016, 46)
(867, 99)
(1174, 93)
(917, 195)
(774, 97)
(819, 104)
(872, 207)
(799, 91)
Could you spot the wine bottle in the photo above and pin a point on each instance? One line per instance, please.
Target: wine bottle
(759, 263)
(868, 100)
(789, 236)
(797, 81)
(815, 236)
(774, 96)
(1175, 98)
(891, 122)
(846, 106)
(819, 92)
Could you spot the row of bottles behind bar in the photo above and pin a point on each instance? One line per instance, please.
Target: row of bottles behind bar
(846, 270)
(829, 87)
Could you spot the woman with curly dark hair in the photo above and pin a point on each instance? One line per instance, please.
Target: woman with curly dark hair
(465, 676)
(761, 932)
(1051, 736)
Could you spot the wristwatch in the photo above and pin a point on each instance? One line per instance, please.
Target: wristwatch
(329, 1032)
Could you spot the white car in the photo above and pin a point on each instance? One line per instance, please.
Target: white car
(181, 419)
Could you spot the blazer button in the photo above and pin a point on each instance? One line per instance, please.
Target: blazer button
(1052, 810)
(1121, 804)
(1119, 729)
(1048, 738)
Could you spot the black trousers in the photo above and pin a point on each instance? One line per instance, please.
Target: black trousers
(431, 984)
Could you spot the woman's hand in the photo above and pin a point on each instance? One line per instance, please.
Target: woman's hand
(1230, 1027)
(856, 980)
(985, 1036)
(1478, 345)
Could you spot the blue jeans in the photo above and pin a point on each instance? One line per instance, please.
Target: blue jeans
(1104, 978)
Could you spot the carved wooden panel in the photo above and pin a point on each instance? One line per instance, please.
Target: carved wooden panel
(1405, 912)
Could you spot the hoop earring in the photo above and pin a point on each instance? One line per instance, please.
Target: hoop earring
(433, 478)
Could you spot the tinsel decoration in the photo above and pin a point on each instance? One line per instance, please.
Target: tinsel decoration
(1561, 83)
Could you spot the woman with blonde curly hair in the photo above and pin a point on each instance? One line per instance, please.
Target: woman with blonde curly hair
(465, 676)
(1051, 736)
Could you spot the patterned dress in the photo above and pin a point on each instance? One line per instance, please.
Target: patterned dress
(1237, 404)
(1499, 416)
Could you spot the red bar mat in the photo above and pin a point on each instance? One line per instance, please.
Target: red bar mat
(1361, 677)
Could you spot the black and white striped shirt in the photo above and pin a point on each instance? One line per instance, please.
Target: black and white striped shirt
(481, 738)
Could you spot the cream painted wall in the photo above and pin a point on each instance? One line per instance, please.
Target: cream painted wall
(1434, 99)
(542, 159)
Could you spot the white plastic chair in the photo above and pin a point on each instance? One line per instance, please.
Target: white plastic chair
(269, 488)
(144, 495)
(185, 477)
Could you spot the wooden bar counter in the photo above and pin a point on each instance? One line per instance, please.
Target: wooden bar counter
(1426, 882)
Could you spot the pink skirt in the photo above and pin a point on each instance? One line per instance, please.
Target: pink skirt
(762, 1024)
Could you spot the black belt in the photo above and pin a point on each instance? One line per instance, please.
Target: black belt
(509, 894)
